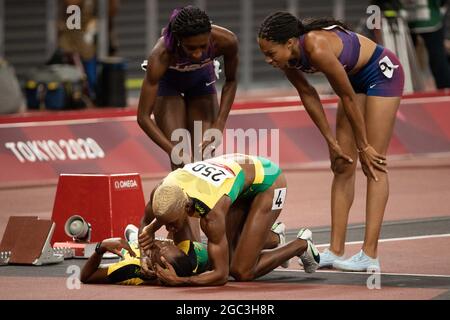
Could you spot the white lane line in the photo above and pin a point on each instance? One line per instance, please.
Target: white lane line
(370, 273)
(444, 235)
(405, 100)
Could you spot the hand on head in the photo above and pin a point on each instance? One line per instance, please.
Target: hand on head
(146, 238)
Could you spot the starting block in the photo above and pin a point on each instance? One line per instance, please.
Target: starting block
(74, 249)
(106, 203)
(27, 241)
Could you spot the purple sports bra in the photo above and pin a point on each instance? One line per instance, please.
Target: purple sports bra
(348, 57)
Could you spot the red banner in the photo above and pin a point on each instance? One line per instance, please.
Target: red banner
(36, 149)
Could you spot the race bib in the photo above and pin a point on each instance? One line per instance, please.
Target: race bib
(209, 172)
(279, 196)
(387, 67)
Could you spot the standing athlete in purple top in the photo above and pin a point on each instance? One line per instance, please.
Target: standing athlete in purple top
(179, 89)
(369, 82)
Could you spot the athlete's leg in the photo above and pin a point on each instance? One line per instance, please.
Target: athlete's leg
(202, 108)
(235, 221)
(249, 261)
(199, 108)
(380, 117)
(170, 114)
(343, 186)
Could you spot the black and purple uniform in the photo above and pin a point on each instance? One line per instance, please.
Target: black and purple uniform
(382, 76)
(186, 77)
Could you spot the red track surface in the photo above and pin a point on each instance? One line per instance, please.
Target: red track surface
(419, 189)
(48, 288)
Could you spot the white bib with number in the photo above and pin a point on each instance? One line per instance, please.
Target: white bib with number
(209, 172)
(279, 195)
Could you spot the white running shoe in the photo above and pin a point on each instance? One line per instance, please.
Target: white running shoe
(304, 234)
(358, 262)
(280, 229)
(131, 233)
(309, 259)
(327, 258)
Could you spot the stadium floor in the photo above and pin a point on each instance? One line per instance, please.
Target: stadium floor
(413, 252)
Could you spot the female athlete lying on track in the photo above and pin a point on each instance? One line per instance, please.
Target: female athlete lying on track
(369, 82)
(187, 258)
(237, 198)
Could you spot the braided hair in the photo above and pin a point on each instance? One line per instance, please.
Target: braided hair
(185, 22)
(282, 26)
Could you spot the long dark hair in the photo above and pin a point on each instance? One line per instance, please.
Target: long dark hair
(185, 22)
(281, 26)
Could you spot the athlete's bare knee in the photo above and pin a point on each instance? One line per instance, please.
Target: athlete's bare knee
(240, 274)
(343, 167)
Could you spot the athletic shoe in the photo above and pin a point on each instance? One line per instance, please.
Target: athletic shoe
(309, 259)
(304, 234)
(131, 233)
(358, 262)
(327, 258)
(280, 229)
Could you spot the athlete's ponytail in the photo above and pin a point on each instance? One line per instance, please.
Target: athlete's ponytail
(282, 26)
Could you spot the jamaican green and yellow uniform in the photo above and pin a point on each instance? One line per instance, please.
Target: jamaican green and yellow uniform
(205, 182)
(128, 270)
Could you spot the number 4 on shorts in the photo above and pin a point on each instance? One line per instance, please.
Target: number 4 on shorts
(279, 195)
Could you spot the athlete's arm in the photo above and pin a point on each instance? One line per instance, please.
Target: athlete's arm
(311, 102)
(149, 225)
(91, 271)
(158, 62)
(323, 58)
(214, 227)
(229, 48)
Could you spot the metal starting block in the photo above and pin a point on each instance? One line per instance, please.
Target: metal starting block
(75, 249)
(4, 257)
(27, 241)
(66, 252)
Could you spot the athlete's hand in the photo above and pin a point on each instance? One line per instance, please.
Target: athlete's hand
(212, 140)
(337, 153)
(371, 160)
(146, 266)
(167, 276)
(146, 238)
(115, 245)
(180, 159)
